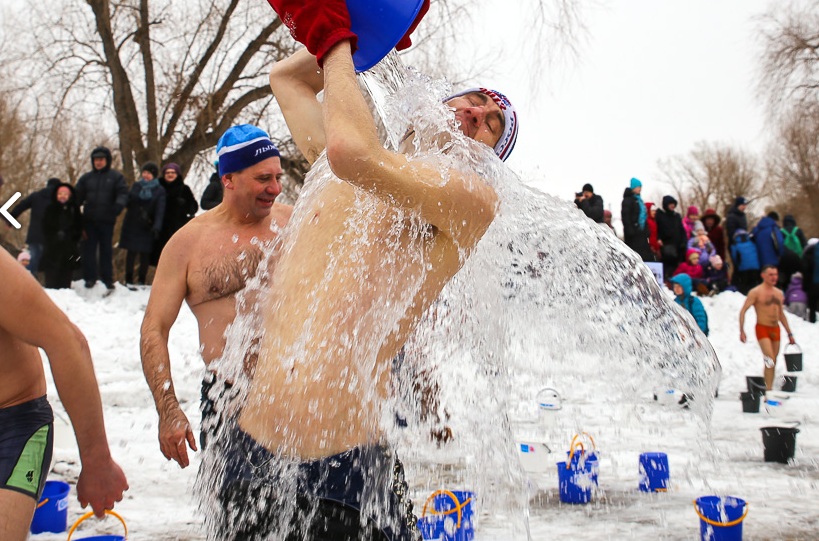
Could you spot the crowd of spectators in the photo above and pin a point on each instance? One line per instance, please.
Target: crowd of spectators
(71, 228)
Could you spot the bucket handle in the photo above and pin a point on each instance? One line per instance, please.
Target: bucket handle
(578, 435)
(721, 524)
(575, 445)
(458, 505)
(557, 395)
(794, 345)
(42, 503)
(91, 514)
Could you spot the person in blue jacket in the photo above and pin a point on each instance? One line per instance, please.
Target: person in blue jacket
(682, 290)
(746, 262)
(769, 240)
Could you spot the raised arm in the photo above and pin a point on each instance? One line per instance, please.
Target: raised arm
(460, 206)
(296, 81)
(167, 294)
(41, 324)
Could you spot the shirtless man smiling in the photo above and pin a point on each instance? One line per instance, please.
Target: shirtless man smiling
(206, 263)
(768, 302)
(374, 238)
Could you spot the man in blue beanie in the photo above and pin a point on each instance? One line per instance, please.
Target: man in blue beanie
(375, 237)
(207, 263)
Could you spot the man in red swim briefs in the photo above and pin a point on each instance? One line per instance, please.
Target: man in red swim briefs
(767, 300)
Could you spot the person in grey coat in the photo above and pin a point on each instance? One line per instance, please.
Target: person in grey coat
(103, 194)
(143, 222)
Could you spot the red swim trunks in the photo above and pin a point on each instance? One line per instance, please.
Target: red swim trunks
(764, 331)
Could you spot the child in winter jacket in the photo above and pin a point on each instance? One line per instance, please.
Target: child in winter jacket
(682, 296)
(796, 300)
(716, 275)
(691, 266)
(700, 242)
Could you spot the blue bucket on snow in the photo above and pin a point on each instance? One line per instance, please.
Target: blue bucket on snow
(588, 462)
(379, 27)
(575, 482)
(654, 472)
(51, 514)
(99, 537)
(721, 518)
(448, 515)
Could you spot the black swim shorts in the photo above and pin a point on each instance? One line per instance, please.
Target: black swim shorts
(26, 445)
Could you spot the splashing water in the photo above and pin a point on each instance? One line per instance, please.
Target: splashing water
(548, 297)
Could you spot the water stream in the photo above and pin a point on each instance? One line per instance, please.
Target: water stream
(549, 298)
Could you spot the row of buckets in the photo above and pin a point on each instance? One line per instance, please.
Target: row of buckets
(720, 517)
(51, 514)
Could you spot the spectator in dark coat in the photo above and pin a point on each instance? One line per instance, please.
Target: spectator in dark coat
(143, 222)
(590, 203)
(37, 203)
(103, 194)
(214, 191)
(180, 206)
(716, 234)
(746, 262)
(635, 217)
(793, 243)
(768, 240)
(671, 234)
(810, 261)
(736, 219)
(62, 230)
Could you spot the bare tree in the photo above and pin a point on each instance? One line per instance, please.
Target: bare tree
(173, 75)
(712, 175)
(793, 165)
(789, 62)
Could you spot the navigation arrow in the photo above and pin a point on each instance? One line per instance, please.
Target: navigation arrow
(4, 210)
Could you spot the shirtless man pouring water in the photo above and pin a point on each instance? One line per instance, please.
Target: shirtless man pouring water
(371, 244)
(29, 320)
(768, 302)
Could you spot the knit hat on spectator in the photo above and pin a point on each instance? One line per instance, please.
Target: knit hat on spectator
(243, 146)
(693, 211)
(691, 252)
(740, 201)
(635, 183)
(698, 227)
(715, 260)
(173, 166)
(711, 213)
(588, 188)
(24, 256)
(151, 167)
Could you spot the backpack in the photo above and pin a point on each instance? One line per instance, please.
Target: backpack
(691, 311)
(792, 242)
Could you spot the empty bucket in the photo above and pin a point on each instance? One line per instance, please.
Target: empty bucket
(721, 518)
(379, 27)
(574, 482)
(789, 384)
(793, 358)
(779, 443)
(448, 516)
(750, 402)
(51, 514)
(756, 384)
(653, 472)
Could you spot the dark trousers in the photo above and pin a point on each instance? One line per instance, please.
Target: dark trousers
(59, 278)
(745, 281)
(813, 303)
(100, 236)
(130, 261)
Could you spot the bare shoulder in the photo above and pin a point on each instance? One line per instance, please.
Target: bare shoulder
(184, 244)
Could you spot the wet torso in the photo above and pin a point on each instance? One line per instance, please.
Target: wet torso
(21, 371)
(355, 275)
(768, 305)
(222, 258)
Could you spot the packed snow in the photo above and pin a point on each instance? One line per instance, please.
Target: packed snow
(727, 461)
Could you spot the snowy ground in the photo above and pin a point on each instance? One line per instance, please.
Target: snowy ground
(782, 498)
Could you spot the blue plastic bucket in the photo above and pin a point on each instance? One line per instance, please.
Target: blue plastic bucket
(721, 518)
(450, 518)
(379, 26)
(588, 462)
(52, 510)
(575, 482)
(653, 472)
